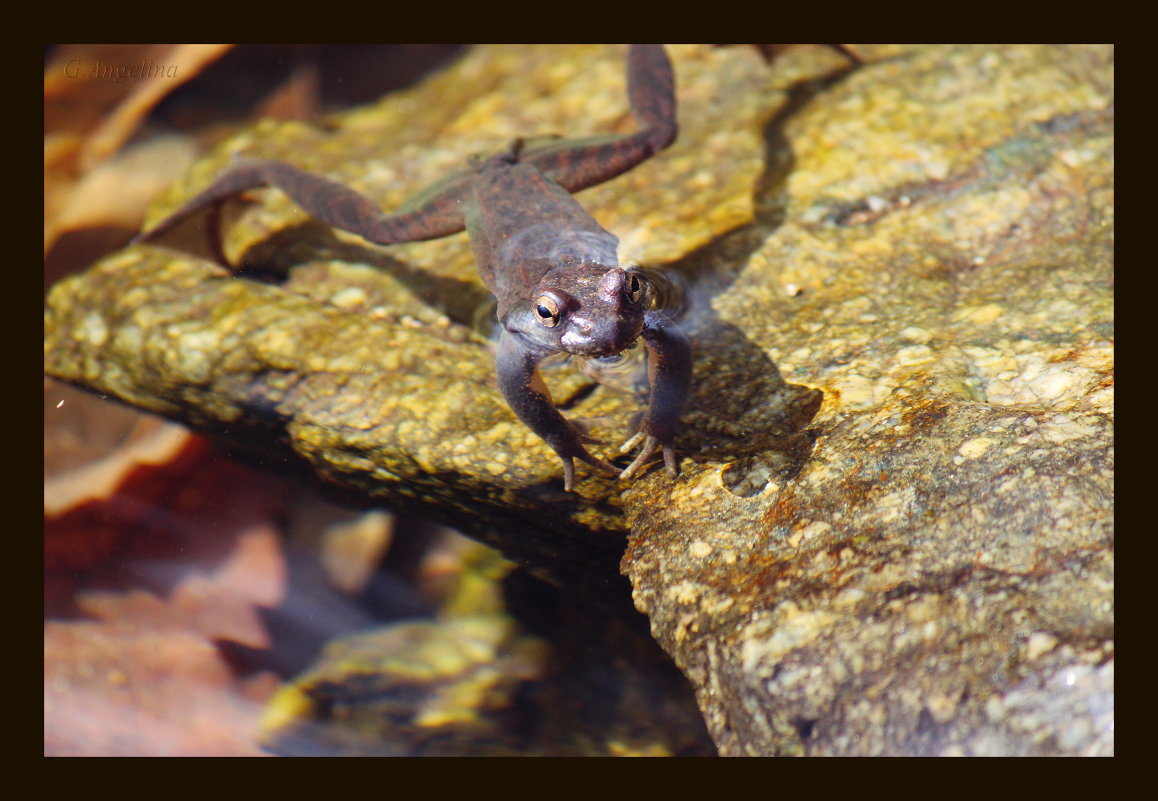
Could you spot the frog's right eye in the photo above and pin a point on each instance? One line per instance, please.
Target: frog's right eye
(636, 284)
(547, 311)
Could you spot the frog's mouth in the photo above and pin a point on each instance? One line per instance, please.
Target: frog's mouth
(602, 341)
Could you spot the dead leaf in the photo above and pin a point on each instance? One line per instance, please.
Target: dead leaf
(95, 99)
(137, 668)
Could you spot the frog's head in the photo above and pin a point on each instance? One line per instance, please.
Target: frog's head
(584, 310)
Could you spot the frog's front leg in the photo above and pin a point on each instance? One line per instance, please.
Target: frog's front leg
(669, 371)
(517, 366)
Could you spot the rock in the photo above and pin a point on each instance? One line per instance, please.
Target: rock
(509, 666)
(893, 531)
(937, 575)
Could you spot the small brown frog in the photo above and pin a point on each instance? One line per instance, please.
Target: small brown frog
(552, 268)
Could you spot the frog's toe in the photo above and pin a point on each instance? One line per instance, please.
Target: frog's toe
(629, 446)
(569, 467)
(650, 446)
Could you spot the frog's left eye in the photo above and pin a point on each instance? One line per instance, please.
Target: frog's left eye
(547, 311)
(635, 287)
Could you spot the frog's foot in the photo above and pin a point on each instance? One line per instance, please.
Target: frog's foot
(583, 456)
(650, 446)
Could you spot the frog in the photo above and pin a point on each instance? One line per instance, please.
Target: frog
(553, 270)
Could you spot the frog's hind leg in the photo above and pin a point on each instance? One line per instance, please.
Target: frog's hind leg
(331, 202)
(579, 163)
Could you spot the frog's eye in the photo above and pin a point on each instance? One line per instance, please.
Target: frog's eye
(635, 287)
(547, 311)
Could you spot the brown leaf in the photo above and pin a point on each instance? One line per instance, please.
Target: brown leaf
(160, 70)
(95, 99)
(138, 669)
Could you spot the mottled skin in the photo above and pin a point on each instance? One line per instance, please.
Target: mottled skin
(552, 268)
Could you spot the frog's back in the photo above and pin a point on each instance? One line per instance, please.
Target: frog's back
(522, 224)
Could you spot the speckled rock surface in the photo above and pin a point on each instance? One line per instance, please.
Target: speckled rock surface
(893, 529)
(937, 577)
